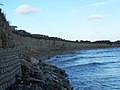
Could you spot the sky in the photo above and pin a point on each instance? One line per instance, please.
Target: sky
(68, 19)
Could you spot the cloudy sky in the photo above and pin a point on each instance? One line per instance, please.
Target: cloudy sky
(68, 19)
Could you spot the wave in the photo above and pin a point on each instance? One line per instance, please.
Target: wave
(92, 64)
(83, 57)
(100, 51)
(95, 56)
(84, 65)
(79, 58)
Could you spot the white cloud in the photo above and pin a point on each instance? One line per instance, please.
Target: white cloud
(26, 9)
(105, 2)
(95, 17)
(99, 3)
(96, 4)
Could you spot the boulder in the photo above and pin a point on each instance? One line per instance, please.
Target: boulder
(34, 61)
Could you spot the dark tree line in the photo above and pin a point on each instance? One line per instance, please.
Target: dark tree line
(103, 41)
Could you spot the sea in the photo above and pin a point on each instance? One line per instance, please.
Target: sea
(95, 69)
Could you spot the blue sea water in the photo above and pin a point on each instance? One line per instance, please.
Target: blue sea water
(96, 69)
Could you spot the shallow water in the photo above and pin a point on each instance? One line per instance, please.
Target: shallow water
(97, 69)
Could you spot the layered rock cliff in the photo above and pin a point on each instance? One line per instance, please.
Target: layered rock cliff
(9, 61)
(19, 70)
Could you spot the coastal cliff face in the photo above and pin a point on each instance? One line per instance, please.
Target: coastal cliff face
(9, 67)
(19, 70)
(42, 46)
(9, 61)
(47, 47)
(6, 36)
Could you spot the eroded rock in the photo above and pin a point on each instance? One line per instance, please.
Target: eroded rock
(34, 61)
(41, 76)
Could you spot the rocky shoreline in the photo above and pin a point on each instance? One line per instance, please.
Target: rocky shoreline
(38, 75)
